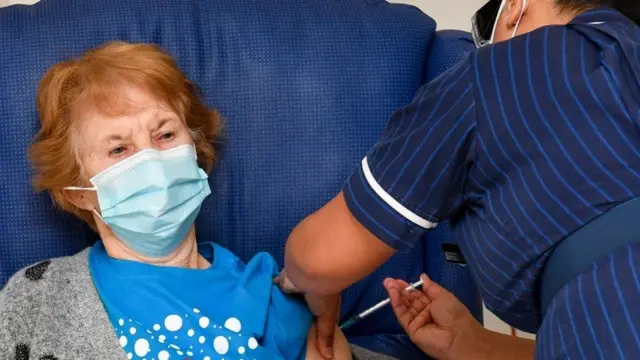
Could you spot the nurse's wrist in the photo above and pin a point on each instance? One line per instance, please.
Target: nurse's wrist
(483, 344)
(473, 342)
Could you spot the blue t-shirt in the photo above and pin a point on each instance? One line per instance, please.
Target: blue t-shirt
(227, 311)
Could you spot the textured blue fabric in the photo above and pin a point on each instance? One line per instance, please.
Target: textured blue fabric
(226, 310)
(305, 87)
(446, 49)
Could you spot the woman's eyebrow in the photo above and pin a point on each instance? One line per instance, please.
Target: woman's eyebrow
(163, 122)
(115, 137)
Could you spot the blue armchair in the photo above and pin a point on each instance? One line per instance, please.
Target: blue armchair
(305, 88)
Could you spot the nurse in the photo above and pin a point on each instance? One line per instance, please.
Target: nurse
(522, 145)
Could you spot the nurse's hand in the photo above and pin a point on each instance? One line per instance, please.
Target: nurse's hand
(435, 320)
(341, 347)
(325, 308)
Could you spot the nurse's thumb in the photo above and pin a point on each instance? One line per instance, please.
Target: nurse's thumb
(432, 289)
(325, 332)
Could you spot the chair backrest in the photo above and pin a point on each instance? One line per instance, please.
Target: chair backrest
(305, 88)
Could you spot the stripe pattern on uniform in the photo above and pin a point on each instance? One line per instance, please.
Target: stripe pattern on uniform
(519, 145)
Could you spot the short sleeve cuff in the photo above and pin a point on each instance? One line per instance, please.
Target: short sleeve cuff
(384, 216)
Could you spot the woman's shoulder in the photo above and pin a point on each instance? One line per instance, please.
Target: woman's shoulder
(53, 300)
(47, 273)
(26, 294)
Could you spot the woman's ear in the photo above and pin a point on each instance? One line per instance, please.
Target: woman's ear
(82, 199)
(514, 10)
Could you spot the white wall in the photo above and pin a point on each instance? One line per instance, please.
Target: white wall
(450, 14)
(11, 2)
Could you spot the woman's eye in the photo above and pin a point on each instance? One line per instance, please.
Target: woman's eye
(167, 136)
(117, 151)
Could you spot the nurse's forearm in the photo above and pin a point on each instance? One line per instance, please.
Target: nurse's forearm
(496, 346)
(330, 250)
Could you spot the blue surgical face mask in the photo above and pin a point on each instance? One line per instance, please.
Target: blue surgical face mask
(151, 199)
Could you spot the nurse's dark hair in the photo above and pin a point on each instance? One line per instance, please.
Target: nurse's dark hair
(630, 8)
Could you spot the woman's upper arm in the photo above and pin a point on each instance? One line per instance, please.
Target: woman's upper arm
(4, 330)
(19, 306)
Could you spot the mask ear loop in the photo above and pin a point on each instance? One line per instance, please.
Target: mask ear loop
(79, 188)
(98, 214)
(500, 10)
(495, 25)
(515, 30)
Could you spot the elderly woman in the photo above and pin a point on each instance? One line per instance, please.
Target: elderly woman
(125, 144)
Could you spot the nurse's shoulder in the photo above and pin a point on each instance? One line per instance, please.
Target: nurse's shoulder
(552, 50)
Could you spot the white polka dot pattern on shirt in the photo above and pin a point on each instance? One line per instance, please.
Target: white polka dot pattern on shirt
(173, 323)
(141, 347)
(233, 324)
(204, 322)
(178, 331)
(163, 355)
(221, 345)
(252, 343)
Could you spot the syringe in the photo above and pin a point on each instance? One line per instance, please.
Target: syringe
(376, 307)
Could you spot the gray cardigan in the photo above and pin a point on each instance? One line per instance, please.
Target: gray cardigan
(52, 311)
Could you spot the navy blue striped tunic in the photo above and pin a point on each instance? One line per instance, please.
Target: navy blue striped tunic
(520, 145)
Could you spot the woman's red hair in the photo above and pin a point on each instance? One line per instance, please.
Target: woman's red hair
(96, 80)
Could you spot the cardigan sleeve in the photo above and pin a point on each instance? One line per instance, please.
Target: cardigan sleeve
(20, 304)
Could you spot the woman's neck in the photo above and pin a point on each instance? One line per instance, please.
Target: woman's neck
(185, 256)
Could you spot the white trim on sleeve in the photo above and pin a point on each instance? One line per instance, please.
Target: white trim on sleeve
(406, 213)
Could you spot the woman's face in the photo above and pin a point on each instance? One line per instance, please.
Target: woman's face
(150, 124)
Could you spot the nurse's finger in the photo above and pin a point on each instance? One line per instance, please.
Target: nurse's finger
(327, 311)
(400, 287)
(400, 283)
(432, 289)
(419, 321)
(415, 300)
(326, 327)
(395, 283)
(400, 308)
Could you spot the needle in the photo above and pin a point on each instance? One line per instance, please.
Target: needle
(376, 307)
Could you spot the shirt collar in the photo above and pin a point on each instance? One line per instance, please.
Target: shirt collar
(599, 16)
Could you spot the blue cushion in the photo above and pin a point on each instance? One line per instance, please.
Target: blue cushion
(305, 88)
(447, 48)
